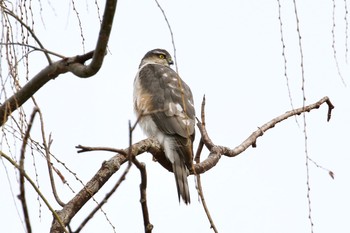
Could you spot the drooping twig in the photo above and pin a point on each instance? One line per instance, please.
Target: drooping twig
(104, 200)
(22, 195)
(35, 48)
(48, 155)
(335, 57)
(301, 53)
(171, 33)
(285, 58)
(50, 168)
(80, 24)
(54, 213)
(346, 30)
(7, 11)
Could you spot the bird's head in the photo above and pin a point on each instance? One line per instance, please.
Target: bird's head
(157, 56)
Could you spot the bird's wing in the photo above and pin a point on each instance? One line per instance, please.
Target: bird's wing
(173, 109)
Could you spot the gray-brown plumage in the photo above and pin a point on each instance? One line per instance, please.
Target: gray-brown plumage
(166, 104)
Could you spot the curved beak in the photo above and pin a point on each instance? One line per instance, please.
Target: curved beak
(170, 61)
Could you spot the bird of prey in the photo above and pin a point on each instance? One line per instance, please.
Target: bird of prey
(164, 105)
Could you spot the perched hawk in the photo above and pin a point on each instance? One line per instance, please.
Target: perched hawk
(165, 104)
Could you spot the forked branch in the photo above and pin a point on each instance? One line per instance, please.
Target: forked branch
(216, 151)
(150, 145)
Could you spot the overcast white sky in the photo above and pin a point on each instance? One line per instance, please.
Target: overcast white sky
(230, 51)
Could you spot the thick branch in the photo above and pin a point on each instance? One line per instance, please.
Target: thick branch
(73, 64)
(39, 80)
(101, 46)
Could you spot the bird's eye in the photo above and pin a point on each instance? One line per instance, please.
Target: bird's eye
(161, 56)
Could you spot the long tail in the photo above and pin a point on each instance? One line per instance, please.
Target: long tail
(180, 172)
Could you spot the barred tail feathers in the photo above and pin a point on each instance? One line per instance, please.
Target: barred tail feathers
(180, 172)
(176, 152)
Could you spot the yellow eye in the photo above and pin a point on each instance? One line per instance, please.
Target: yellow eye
(161, 56)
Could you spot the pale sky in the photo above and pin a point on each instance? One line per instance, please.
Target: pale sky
(231, 51)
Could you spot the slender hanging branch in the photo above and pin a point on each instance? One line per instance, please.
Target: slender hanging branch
(37, 190)
(22, 196)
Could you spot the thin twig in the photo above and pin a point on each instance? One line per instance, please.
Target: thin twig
(54, 213)
(35, 48)
(48, 156)
(22, 195)
(198, 177)
(303, 113)
(330, 173)
(143, 199)
(50, 168)
(346, 30)
(30, 31)
(104, 200)
(201, 125)
(206, 209)
(89, 149)
(143, 186)
(171, 33)
(205, 137)
(285, 58)
(335, 57)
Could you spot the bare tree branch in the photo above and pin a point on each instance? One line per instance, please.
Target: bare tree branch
(89, 149)
(143, 199)
(83, 71)
(198, 177)
(150, 145)
(105, 199)
(39, 80)
(74, 65)
(56, 216)
(107, 169)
